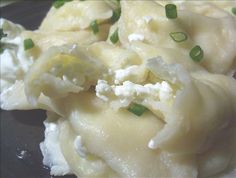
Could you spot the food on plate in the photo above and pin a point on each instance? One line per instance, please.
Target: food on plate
(131, 88)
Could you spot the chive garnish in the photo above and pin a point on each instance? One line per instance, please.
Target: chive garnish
(94, 26)
(116, 15)
(234, 10)
(137, 109)
(1, 50)
(115, 37)
(171, 11)
(178, 36)
(28, 44)
(58, 3)
(196, 53)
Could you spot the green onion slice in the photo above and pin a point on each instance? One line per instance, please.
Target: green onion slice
(196, 53)
(116, 15)
(2, 34)
(171, 11)
(94, 26)
(58, 3)
(137, 109)
(115, 37)
(178, 36)
(234, 10)
(1, 49)
(28, 44)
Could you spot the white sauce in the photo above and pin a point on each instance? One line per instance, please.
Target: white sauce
(52, 154)
(14, 60)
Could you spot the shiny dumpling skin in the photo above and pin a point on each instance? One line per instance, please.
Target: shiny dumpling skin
(202, 109)
(218, 45)
(114, 57)
(44, 40)
(91, 166)
(213, 8)
(75, 15)
(169, 55)
(120, 138)
(61, 70)
(220, 158)
(9, 102)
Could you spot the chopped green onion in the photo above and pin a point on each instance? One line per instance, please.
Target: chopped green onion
(234, 10)
(171, 11)
(137, 109)
(58, 3)
(1, 49)
(196, 53)
(178, 36)
(2, 34)
(28, 44)
(116, 15)
(115, 37)
(94, 26)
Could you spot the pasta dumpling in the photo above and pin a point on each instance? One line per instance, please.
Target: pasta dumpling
(151, 26)
(76, 15)
(60, 71)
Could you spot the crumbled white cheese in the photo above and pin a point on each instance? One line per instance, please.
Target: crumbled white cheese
(79, 147)
(124, 74)
(129, 92)
(50, 148)
(102, 88)
(135, 37)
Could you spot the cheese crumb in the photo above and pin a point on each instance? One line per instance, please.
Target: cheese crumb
(135, 37)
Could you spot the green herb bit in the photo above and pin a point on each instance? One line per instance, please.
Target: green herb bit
(1, 49)
(94, 26)
(196, 53)
(178, 36)
(28, 44)
(115, 37)
(137, 109)
(2, 34)
(58, 3)
(234, 10)
(116, 15)
(171, 11)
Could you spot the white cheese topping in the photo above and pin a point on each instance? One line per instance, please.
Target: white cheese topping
(79, 147)
(135, 37)
(102, 88)
(124, 74)
(128, 91)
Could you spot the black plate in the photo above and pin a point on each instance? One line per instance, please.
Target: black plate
(23, 130)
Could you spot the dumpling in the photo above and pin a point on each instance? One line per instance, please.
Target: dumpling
(146, 21)
(76, 15)
(45, 40)
(60, 71)
(120, 139)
